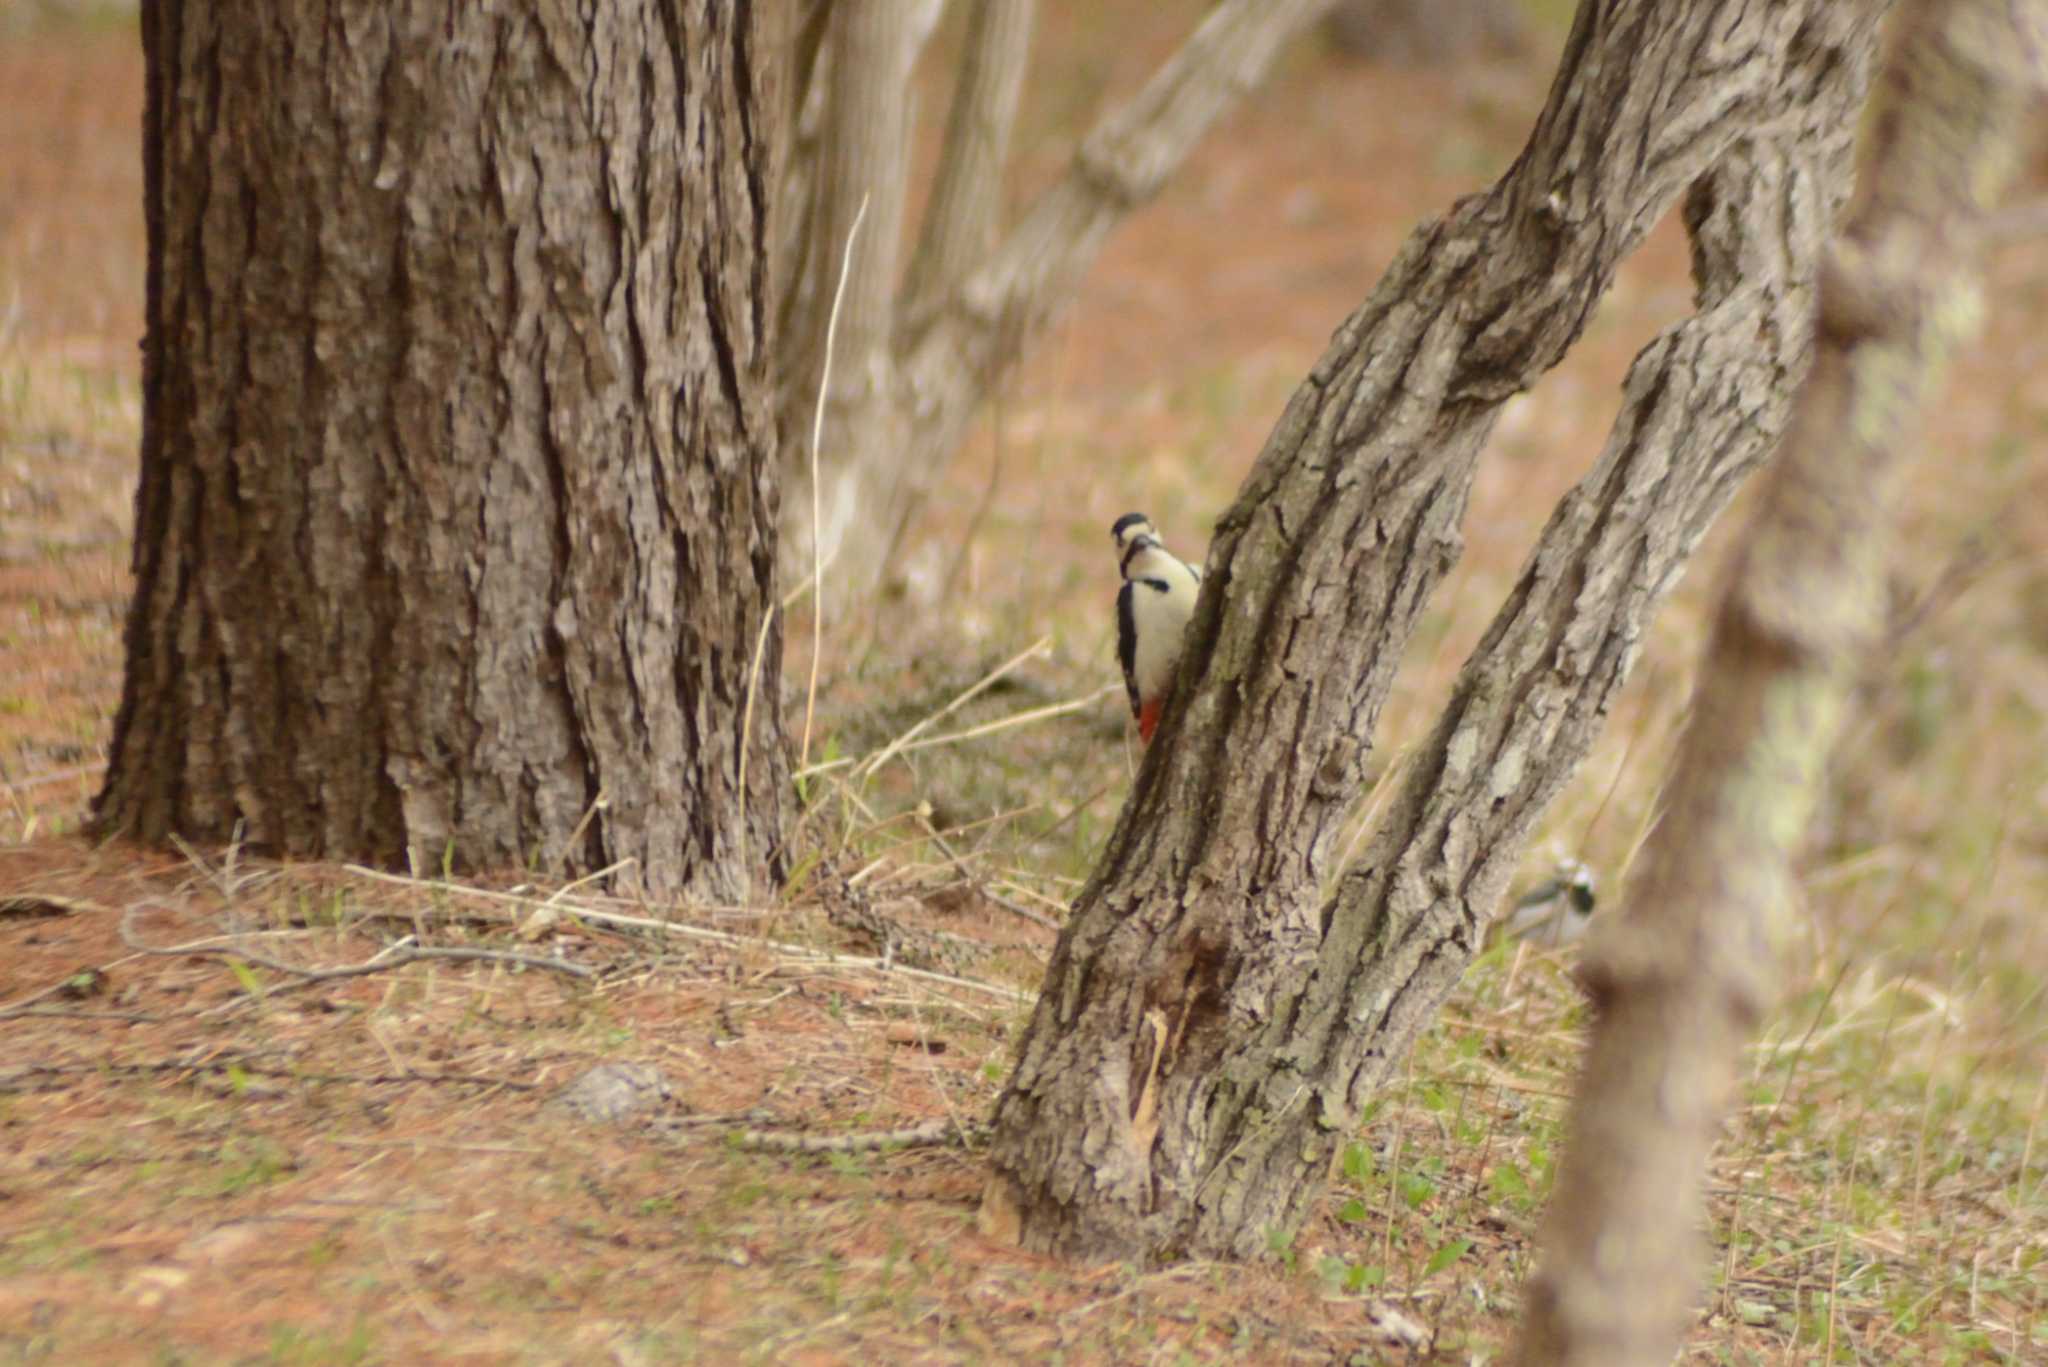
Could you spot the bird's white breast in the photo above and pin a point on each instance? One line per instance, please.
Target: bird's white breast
(1161, 618)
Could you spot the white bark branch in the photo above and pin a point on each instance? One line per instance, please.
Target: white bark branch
(866, 159)
(967, 194)
(957, 351)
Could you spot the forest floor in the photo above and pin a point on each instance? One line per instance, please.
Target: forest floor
(216, 1147)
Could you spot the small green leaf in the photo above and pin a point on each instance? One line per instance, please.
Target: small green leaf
(1415, 1189)
(246, 976)
(1357, 1162)
(86, 982)
(238, 1078)
(1445, 1256)
(800, 876)
(1352, 1212)
(1509, 1184)
(1364, 1277)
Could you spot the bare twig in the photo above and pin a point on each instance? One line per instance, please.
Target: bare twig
(59, 1013)
(252, 1069)
(385, 960)
(942, 1131)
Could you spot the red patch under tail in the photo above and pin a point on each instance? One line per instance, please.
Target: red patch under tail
(1148, 718)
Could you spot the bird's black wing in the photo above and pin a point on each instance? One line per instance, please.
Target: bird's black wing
(1127, 640)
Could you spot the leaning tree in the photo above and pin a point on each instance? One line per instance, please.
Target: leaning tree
(1683, 970)
(1223, 1001)
(456, 527)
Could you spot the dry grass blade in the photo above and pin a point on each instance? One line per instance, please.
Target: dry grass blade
(905, 746)
(679, 930)
(905, 741)
(747, 736)
(817, 440)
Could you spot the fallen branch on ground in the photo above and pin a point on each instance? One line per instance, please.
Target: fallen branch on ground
(931, 1132)
(393, 956)
(224, 1065)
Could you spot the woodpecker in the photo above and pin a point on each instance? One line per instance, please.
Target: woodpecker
(1557, 911)
(1152, 611)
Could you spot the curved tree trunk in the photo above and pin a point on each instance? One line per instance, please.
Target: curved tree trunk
(456, 527)
(1682, 974)
(1212, 1024)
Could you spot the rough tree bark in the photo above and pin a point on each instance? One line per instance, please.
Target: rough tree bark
(1681, 975)
(1212, 1023)
(951, 330)
(456, 525)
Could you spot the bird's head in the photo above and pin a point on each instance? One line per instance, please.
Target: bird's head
(1133, 532)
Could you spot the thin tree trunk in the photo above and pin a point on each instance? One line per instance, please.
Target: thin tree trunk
(1682, 974)
(882, 459)
(866, 174)
(1211, 1026)
(967, 197)
(456, 525)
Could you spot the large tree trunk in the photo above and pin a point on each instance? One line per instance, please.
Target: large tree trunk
(1212, 1024)
(1682, 974)
(456, 527)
